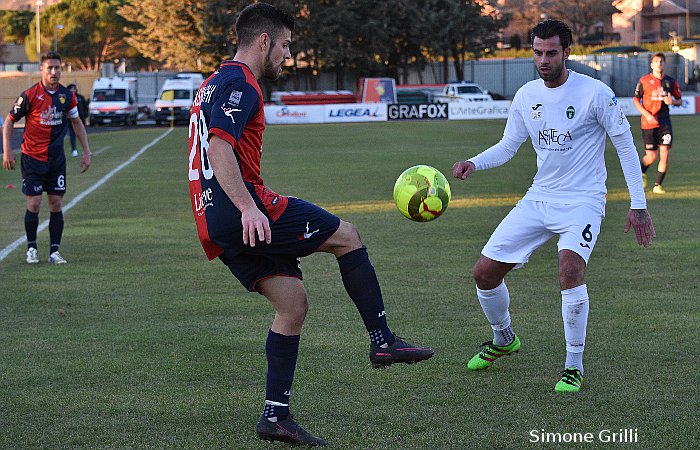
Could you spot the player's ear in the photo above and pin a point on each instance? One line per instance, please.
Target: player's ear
(264, 41)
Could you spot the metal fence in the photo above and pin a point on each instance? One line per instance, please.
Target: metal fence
(506, 76)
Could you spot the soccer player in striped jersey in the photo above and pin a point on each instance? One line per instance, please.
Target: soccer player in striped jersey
(260, 235)
(566, 116)
(653, 95)
(46, 107)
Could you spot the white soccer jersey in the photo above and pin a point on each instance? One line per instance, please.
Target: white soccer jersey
(567, 127)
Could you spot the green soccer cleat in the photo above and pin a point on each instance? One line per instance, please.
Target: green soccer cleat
(571, 380)
(491, 352)
(658, 189)
(644, 181)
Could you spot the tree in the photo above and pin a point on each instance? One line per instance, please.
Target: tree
(92, 33)
(463, 29)
(15, 25)
(581, 15)
(195, 34)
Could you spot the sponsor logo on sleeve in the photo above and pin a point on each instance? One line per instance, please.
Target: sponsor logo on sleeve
(229, 112)
(235, 98)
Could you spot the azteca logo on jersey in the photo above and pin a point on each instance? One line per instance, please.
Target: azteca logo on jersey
(51, 116)
(553, 136)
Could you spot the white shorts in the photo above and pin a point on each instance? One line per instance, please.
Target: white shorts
(530, 224)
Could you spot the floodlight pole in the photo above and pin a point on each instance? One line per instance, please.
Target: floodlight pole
(38, 32)
(55, 36)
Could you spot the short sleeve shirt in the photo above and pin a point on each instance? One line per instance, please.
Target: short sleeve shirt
(228, 105)
(46, 116)
(651, 92)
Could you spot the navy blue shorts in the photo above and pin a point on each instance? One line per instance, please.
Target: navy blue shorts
(39, 176)
(662, 135)
(300, 230)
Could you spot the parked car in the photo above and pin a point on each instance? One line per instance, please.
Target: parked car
(462, 91)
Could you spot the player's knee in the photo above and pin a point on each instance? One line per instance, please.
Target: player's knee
(297, 313)
(55, 205)
(570, 276)
(485, 279)
(348, 235)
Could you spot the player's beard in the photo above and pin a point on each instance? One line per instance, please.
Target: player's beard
(269, 70)
(554, 72)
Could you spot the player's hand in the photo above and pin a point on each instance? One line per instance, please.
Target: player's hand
(651, 120)
(85, 161)
(462, 169)
(640, 220)
(668, 99)
(8, 161)
(255, 224)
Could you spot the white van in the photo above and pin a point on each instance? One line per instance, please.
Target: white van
(113, 100)
(176, 97)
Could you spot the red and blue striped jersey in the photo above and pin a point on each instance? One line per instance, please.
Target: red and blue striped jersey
(229, 105)
(46, 121)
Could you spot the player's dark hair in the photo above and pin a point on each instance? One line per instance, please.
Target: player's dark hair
(659, 55)
(550, 28)
(50, 55)
(261, 18)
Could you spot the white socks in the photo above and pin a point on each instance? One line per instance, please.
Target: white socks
(495, 303)
(574, 311)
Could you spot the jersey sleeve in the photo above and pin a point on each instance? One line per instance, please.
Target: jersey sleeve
(608, 111)
(639, 90)
(232, 110)
(676, 91)
(20, 108)
(515, 130)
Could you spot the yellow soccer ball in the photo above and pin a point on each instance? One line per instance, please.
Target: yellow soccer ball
(422, 193)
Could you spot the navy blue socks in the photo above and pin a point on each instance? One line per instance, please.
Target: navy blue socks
(31, 224)
(282, 352)
(361, 284)
(55, 230)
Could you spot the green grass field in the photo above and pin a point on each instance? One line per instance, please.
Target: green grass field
(139, 342)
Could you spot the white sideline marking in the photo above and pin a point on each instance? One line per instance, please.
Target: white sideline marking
(101, 149)
(10, 248)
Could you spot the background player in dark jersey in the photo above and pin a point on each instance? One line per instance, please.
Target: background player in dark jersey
(654, 93)
(45, 108)
(83, 112)
(259, 234)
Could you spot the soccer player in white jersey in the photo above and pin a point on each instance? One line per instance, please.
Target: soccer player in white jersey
(566, 116)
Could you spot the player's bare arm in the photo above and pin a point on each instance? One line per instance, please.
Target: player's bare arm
(640, 220)
(81, 134)
(463, 169)
(8, 158)
(228, 174)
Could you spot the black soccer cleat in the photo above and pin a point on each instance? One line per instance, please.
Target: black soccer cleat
(287, 430)
(398, 352)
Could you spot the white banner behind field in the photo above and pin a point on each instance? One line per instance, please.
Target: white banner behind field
(380, 112)
(687, 108)
(331, 113)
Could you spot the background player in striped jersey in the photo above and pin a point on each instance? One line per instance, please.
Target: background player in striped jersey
(654, 93)
(46, 107)
(261, 235)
